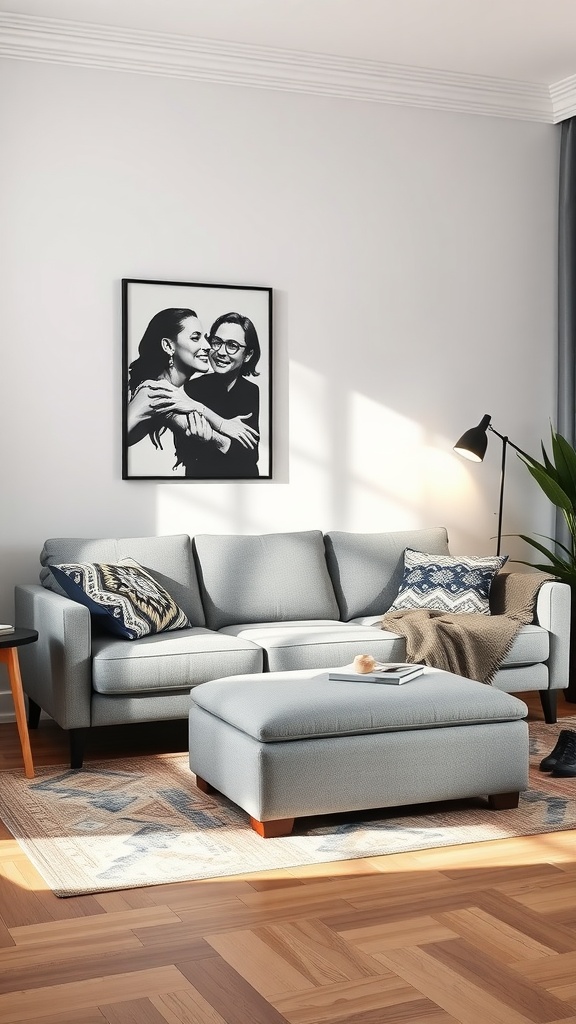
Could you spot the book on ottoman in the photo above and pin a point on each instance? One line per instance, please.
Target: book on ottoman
(394, 673)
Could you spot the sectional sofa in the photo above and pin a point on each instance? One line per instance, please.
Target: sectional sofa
(256, 604)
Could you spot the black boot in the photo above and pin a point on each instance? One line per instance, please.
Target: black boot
(565, 767)
(549, 763)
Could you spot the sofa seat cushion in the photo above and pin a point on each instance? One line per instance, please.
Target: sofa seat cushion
(272, 577)
(302, 705)
(320, 643)
(531, 646)
(169, 661)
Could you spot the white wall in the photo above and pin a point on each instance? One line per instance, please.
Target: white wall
(413, 259)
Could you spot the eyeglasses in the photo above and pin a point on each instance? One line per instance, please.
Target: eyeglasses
(232, 348)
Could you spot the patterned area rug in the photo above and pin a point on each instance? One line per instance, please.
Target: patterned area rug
(141, 821)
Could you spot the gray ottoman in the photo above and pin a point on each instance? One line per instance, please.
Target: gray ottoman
(287, 744)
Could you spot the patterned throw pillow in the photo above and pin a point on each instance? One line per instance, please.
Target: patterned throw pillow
(123, 598)
(446, 583)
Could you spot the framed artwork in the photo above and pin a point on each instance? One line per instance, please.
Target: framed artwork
(196, 381)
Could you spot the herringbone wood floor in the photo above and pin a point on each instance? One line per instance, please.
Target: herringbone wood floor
(481, 934)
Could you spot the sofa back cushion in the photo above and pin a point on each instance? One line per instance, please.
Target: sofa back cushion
(366, 568)
(268, 578)
(168, 559)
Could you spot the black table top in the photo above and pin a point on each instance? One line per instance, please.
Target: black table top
(18, 637)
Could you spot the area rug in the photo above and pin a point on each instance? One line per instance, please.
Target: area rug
(122, 824)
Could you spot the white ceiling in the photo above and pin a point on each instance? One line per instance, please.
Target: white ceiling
(526, 40)
(523, 50)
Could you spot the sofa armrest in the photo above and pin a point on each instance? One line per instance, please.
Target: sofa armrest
(57, 670)
(553, 611)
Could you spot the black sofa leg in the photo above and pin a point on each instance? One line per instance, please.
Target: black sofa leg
(34, 711)
(549, 701)
(77, 744)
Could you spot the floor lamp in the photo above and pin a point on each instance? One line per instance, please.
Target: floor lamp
(472, 445)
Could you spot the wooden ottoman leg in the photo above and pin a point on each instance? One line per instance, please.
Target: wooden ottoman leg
(204, 786)
(266, 829)
(503, 801)
(273, 829)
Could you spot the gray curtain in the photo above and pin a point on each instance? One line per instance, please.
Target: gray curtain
(567, 331)
(566, 424)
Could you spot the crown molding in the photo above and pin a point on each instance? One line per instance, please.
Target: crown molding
(563, 96)
(54, 41)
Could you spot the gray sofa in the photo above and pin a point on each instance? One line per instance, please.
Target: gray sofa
(256, 603)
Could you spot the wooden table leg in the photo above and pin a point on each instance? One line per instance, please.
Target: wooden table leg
(9, 656)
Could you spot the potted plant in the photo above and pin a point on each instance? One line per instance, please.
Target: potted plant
(556, 476)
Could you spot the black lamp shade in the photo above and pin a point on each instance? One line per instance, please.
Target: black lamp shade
(473, 443)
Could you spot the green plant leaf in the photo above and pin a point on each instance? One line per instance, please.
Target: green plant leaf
(565, 576)
(565, 461)
(551, 488)
(556, 477)
(529, 460)
(544, 537)
(547, 468)
(555, 560)
(548, 465)
(558, 544)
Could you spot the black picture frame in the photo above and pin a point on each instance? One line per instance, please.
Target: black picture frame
(215, 424)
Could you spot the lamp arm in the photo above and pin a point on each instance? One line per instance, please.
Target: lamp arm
(507, 440)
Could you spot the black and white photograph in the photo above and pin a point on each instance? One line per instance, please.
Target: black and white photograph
(197, 381)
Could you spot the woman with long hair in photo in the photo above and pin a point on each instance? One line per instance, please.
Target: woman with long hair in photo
(173, 349)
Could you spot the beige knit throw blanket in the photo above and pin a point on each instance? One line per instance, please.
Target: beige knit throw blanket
(471, 645)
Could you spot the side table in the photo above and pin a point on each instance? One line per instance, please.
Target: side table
(9, 644)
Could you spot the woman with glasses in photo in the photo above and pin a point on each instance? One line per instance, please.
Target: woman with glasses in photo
(172, 350)
(234, 352)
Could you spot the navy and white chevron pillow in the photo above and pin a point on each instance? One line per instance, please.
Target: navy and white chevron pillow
(445, 583)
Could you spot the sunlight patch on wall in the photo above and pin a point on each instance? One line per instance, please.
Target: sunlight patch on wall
(385, 447)
(459, 497)
(384, 459)
(351, 463)
(403, 477)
